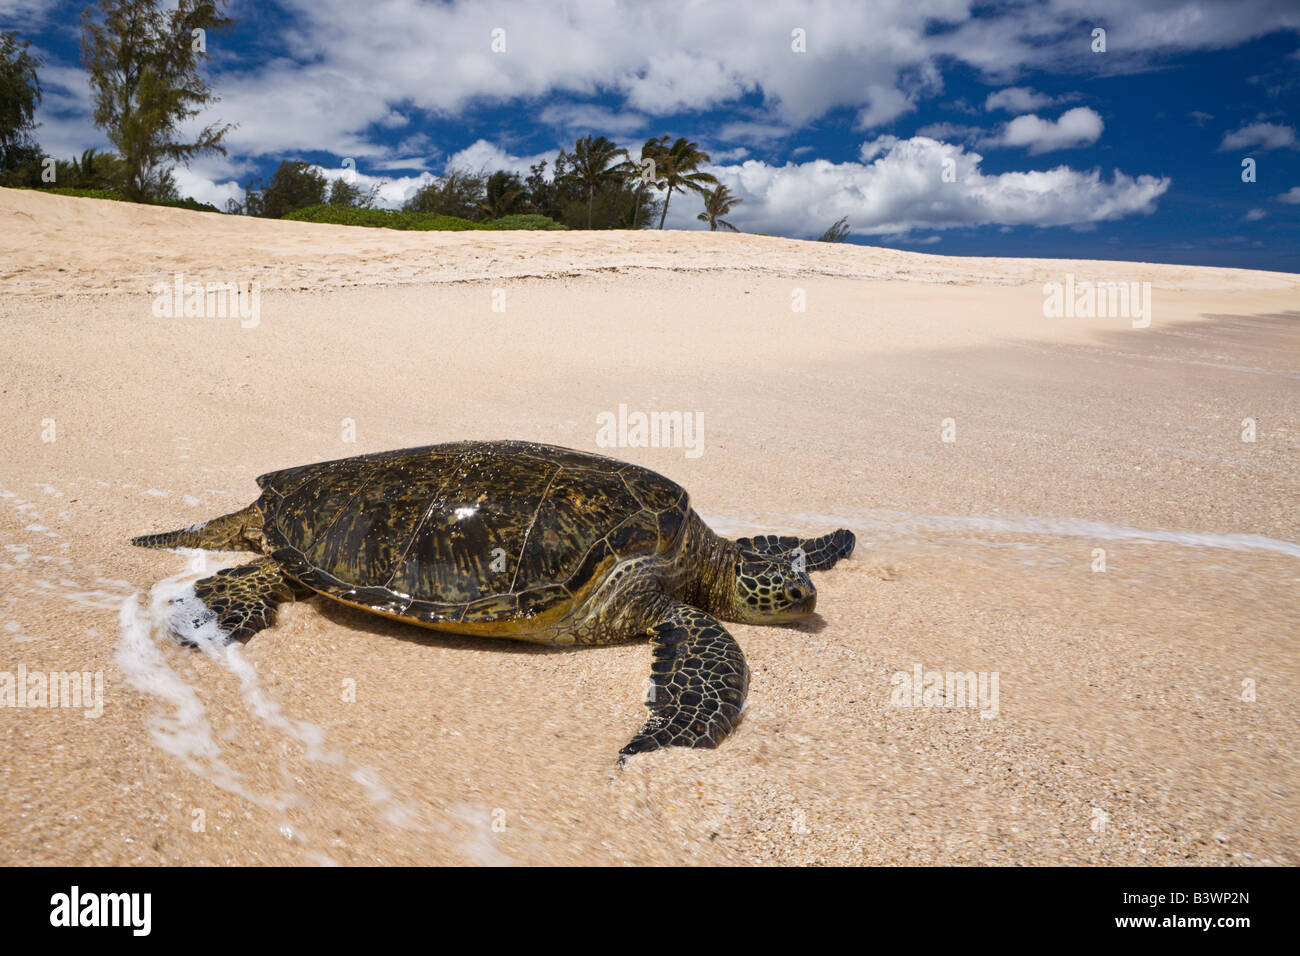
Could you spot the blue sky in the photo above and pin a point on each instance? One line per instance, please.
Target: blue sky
(1057, 150)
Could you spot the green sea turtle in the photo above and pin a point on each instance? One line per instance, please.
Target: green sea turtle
(525, 541)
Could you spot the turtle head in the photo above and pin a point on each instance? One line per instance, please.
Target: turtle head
(770, 589)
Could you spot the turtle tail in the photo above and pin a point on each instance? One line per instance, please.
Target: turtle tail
(238, 531)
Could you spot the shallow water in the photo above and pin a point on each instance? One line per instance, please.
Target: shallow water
(148, 649)
(892, 525)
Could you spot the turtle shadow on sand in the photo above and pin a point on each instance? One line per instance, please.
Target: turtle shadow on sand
(354, 619)
(812, 624)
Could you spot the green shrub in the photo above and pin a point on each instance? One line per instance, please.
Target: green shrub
(381, 218)
(422, 221)
(294, 185)
(186, 203)
(526, 221)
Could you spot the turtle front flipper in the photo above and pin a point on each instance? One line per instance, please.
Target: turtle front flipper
(813, 554)
(240, 601)
(698, 682)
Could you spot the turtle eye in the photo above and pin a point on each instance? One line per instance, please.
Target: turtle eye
(794, 593)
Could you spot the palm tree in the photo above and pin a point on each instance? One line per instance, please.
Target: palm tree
(677, 167)
(591, 166)
(94, 170)
(652, 150)
(717, 203)
(838, 232)
(504, 191)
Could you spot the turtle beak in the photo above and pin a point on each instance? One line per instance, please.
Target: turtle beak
(803, 600)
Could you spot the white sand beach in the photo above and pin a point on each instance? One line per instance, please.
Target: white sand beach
(1146, 713)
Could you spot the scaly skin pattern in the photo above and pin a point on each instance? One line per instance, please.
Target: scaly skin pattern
(244, 598)
(618, 607)
(816, 554)
(699, 680)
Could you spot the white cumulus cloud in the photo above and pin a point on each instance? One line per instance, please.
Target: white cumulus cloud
(346, 72)
(1017, 99)
(1080, 126)
(899, 186)
(1263, 135)
(485, 155)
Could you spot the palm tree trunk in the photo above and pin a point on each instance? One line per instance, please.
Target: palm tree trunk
(667, 196)
(591, 198)
(636, 210)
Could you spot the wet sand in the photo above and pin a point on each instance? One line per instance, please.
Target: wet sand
(1145, 713)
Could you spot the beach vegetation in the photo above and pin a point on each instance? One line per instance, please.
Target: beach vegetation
(838, 231)
(677, 168)
(20, 93)
(718, 203)
(407, 219)
(143, 57)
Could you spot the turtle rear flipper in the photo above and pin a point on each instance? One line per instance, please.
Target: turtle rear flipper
(240, 601)
(814, 554)
(698, 683)
(238, 531)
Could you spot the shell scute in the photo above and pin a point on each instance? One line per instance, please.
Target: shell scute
(471, 532)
